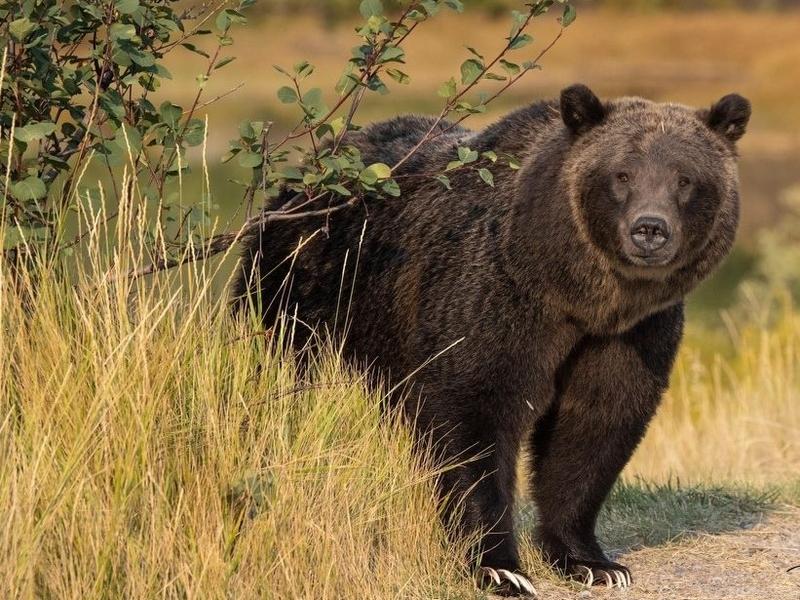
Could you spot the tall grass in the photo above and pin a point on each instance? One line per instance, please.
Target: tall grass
(733, 418)
(153, 447)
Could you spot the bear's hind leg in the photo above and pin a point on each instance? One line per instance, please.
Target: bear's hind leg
(607, 393)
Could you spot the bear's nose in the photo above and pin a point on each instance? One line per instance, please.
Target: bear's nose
(650, 233)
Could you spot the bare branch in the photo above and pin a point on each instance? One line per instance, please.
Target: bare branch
(222, 241)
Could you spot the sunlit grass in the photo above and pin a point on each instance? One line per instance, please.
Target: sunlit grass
(736, 418)
(152, 447)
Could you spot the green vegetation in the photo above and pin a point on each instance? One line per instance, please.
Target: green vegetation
(644, 514)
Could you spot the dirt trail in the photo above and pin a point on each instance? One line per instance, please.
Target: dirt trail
(748, 564)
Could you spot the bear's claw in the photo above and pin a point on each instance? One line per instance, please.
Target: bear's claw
(514, 583)
(618, 577)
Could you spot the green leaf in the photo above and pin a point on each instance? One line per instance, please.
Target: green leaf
(392, 54)
(475, 53)
(370, 8)
(496, 77)
(398, 76)
(134, 139)
(303, 69)
(376, 171)
(143, 59)
(490, 154)
(312, 97)
(447, 89)
(281, 70)
(20, 28)
(225, 61)
(228, 17)
(337, 125)
(313, 103)
(230, 154)
(250, 160)
(30, 188)
(569, 15)
(222, 21)
(170, 114)
(391, 188)
(520, 41)
(456, 5)
(466, 155)
(339, 189)
(487, 176)
(444, 180)
(122, 31)
(346, 82)
(287, 95)
(34, 131)
(195, 132)
(454, 164)
(471, 70)
(195, 49)
(517, 19)
(127, 7)
(292, 173)
(509, 67)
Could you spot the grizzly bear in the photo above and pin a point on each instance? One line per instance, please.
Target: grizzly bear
(542, 313)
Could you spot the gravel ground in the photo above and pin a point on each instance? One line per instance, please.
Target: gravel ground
(748, 564)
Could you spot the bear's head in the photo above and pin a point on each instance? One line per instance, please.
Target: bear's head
(653, 187)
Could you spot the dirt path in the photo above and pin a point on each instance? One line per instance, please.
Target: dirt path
(748, 564)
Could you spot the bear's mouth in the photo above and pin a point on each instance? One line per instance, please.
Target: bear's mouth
(650, 260)
(654, 266)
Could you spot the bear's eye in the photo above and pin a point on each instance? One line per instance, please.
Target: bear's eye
(683, 181)
(623, 177)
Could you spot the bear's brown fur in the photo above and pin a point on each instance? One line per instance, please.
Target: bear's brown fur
(552, 302)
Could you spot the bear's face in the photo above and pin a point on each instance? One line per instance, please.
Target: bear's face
(652, 184)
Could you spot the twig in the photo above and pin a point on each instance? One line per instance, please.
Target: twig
(222, 241)
(451, 103)
(236, 88)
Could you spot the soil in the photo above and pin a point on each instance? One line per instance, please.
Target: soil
(751, 564)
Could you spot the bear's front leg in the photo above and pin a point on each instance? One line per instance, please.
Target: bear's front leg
(478, 492)
(607, 392)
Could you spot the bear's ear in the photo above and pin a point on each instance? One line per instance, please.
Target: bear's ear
(728, 117)
(580, 108)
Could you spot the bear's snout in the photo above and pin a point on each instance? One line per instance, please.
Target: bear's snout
(650, 233)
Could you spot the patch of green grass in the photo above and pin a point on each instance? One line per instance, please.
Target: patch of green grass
(639, 514)
(790, 493)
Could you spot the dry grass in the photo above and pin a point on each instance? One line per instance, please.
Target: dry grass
(735, 418)
(153, 448)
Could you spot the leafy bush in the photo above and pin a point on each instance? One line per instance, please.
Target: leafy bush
(78, 78)
(77, 86)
